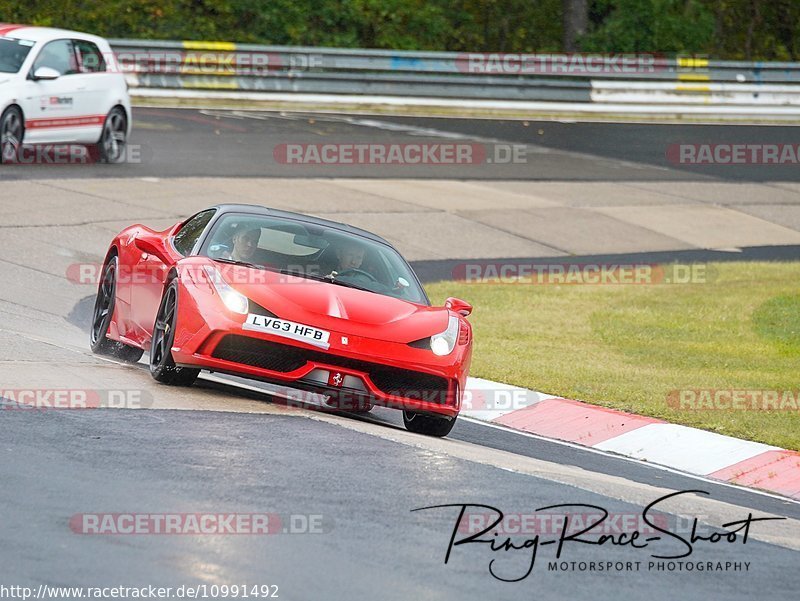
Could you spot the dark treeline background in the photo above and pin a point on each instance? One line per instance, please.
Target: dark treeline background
(732, 29)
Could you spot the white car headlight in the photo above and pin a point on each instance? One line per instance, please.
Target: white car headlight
(235, 301)
(444, 343)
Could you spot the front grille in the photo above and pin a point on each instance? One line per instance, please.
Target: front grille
(258, 353)
(284, 358)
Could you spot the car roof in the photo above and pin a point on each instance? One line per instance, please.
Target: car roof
(42, 34)
(260, 210)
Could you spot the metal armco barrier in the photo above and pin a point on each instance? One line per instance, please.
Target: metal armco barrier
(579, 78)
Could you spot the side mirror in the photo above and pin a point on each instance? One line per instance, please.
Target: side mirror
(46, 73)
(151, 248)
(461, 307)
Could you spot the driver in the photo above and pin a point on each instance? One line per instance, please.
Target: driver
(245, 244)
(349, 255)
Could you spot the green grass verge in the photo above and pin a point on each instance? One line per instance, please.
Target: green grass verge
(629, 346)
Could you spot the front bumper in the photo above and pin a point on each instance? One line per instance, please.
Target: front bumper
(356, 373)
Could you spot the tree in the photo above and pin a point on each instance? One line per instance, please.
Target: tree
(730, 29)
(753, 29)
(575, 21)
(680, 26)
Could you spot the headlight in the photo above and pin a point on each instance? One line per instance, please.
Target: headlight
(444, 343)
(235, 301)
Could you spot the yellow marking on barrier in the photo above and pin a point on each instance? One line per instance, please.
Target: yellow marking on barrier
(690, 62)
(210, 85)
(694, 77)
(188, 45)
(201, 71)
(693, 88)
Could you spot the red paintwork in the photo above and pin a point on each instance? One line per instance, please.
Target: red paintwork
(6, 28)
(377, 327)
(82, 121)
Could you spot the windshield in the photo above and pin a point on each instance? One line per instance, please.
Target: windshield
(13, 53)
(314, 252)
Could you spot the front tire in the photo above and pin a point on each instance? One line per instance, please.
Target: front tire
(429, 425)
(162, 365)
(101, 318)
(12, 132)
(114, 138)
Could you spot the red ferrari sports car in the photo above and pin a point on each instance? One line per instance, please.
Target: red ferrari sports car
(289, 299)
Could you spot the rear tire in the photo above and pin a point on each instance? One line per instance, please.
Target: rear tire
(101, 318)
(429, 425)
(114, 138)
(12, 132)
(162, 365)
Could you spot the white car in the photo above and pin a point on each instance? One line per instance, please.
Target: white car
(61, 87)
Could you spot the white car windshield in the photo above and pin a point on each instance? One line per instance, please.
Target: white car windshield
(314, 251)
(13, 53)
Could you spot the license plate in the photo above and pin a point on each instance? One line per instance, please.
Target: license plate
(287, 329)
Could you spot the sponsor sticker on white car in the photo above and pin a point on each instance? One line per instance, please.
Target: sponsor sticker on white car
(287, 329)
